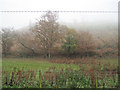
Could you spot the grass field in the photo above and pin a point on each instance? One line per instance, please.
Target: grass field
(42, 64)
(34, 64)
(103, 68)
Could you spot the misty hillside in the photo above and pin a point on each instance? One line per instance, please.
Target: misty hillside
(104, 30)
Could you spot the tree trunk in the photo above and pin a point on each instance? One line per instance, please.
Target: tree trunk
(33, 52)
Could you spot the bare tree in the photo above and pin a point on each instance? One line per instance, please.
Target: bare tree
(47, 31)
(27, 41)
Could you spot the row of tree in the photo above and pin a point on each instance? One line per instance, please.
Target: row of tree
(48, 38)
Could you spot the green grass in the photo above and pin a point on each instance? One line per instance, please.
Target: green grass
(43, 64)
(34, 64)
(82, 72)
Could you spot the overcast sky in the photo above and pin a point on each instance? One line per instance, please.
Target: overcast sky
(19, 20)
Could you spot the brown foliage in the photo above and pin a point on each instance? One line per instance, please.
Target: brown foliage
(86, 44)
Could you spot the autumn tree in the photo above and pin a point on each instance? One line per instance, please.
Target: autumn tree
(86, 44)
(107, 45)
(47, 31)
(7, 40)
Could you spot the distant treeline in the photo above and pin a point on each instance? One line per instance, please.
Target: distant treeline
(48, 38)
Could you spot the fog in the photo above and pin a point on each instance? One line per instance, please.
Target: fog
(76, 20)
